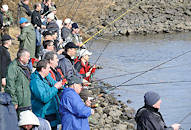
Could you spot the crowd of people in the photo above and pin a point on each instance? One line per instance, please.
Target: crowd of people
(48, 79)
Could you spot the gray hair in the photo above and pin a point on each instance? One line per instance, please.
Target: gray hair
(21, 53)
(50, 55)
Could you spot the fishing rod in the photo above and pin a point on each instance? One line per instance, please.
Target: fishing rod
(131, 73)
(76, 10)
(185, 117)
(112, 22)
(70, 8)
(148, 70)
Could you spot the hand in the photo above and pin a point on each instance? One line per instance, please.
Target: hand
(16, 106)
(88, 74)
(92, 111)
(60, 51)
(88, 103)
(43, 26)
(175, 126)
(58, 85)
(3, 81)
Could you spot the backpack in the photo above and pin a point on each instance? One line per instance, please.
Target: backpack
(8, 115)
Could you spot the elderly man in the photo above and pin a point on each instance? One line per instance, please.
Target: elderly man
(5, 58)
(18, 78)
(74, 112)
(27, 37)
(148, 117)
(44, 91)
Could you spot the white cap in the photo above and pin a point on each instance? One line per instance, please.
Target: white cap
(28, 118)
(50, 16)
(84, 52)
(68, 20)
(5, 7)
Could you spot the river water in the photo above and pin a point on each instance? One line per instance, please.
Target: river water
(139, 53)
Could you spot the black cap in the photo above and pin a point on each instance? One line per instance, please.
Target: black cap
(45, 33)
(74, 80)
(151, 98)
(6, 37)
(70, 45)
(75, 25)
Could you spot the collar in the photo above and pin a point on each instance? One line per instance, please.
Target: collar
(151, 108)
(68, 57)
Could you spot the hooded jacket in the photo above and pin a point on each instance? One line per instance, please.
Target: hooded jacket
(28, 39)
(148, 118)
(74, 113)
(43, 97)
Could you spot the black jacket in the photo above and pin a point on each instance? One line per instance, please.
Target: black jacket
(36, 18)
(148, 118)
(1, 19)
(5, 60)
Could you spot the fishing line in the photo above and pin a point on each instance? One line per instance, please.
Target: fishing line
(70, 8)
(76, 10)
(148, 70)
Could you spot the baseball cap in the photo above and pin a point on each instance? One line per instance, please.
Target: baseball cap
(6, 37)
(23, 20)
(74, 80)
(71, 45)
(84, 52)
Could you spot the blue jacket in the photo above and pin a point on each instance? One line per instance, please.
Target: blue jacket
(74, 113)
(43, 96)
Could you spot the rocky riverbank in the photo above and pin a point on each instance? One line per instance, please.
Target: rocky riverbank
(110, 114)
(150, 16)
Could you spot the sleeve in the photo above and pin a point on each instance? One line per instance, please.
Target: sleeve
(1, 20)
(3, 66)
(11, 80)
(75, 105)
(42, 91)
(22, 36)
(64, 34)
(78, 67)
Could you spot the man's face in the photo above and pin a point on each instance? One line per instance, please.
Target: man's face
(157, 104)
(28, 127)
(50, 46)
(54, 62)
(26, 2)
(38, 7)
(86, 57)
(77, 88)
(73, 52)
(25, 58)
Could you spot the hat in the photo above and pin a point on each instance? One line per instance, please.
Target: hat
(68, 20)
(52, 8)
(6, 37)
(50, 16)
(47, 32)
(74, 80)
(5, 7)
(84, 52)
(70, 45)
(151, 98)
(28, 118)
(23, 20)
(75, 25)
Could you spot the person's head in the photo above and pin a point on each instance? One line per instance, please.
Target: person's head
(75, 83)
(75, 28)
(47, 35)
(85, 54)
(23, 21)
(68, 23)
(28, 119)
(43, 67)
(23, 55)
(53, 10)
(4, 8)
(37, 6)
(48, 1)
(49, 45)
(26, 2)
(152, 99)
(70, 49)
(54, 35)
(50, 17)
(6, 40)
(52, 58)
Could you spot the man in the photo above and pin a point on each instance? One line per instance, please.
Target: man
(66, 63)
(74, 113)
(37, 23)
(55, 71)
(44, 91)
(24, 10)
(5, 58)
(18, 78)
(148, 117)
(48, 46)
(47, 35)
(66, 32)
(51, 23)
(27, 37)
(6, 19)
(77, 39)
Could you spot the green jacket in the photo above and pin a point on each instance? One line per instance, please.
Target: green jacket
(18, 85)
(7, 18)
(28, 39)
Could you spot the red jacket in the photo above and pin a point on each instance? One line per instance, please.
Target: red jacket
(64, 81)
(83, 68)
